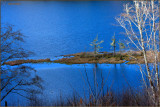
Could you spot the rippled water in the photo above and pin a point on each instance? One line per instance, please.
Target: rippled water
(54, 28)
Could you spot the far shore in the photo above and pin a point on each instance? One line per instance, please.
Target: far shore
(135, 57)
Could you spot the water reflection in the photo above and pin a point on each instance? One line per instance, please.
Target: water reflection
(63, 78)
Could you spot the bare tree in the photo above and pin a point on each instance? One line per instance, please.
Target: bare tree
(19, 78)
(141, 24)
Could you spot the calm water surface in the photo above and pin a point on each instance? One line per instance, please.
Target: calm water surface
(54, 28)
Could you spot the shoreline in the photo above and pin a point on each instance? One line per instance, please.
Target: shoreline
(89, 57)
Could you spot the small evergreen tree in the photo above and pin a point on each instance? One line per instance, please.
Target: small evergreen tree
(121, 46)
(113, 44)
(96, 45)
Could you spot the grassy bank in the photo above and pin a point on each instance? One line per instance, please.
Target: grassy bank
(18, 62)
(106, 57)
(89, 57)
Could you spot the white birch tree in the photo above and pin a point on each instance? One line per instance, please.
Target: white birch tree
(141, 24)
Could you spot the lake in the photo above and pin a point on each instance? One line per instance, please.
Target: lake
(54, 28)
(64, 80)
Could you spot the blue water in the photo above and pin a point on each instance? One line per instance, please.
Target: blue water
(54, 28)
(65, 79)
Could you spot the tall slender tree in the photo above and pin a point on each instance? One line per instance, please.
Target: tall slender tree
(141, 24)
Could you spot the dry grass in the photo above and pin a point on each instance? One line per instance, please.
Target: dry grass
(140, 59)
(81, 58)
(88, 57)
(17, 62)
(106, 57)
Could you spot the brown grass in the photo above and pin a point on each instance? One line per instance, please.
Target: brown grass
(106, 57)
(81, 58)
(140, 59)
(88, 57)
(17, 62)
